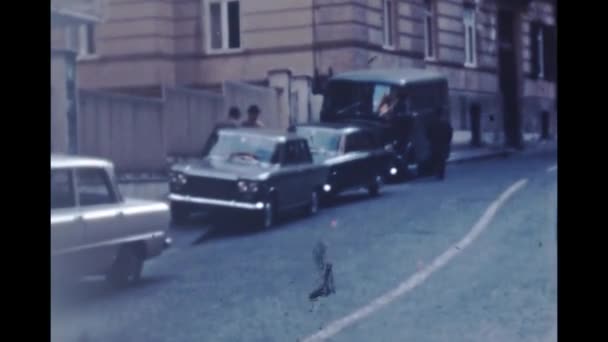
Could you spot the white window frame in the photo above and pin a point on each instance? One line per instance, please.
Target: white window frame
(83, 42)
(470, 36)
(77, 40)
(388, 24)
(429, 15)
(225, 27)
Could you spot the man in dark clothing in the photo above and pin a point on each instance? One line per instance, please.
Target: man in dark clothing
(253, 113)
(441, 141)
(234, 115)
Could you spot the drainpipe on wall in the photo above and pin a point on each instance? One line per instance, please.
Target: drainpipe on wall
(314, 37)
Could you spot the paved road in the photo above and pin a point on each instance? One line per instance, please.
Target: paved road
(234, 285)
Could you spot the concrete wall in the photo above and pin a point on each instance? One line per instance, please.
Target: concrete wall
(127, 130)
(189, 118)
(138, 134)
(59, 104)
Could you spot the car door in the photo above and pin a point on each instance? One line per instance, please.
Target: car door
(67, 229)
(292, 171)
(355, 165)
(370, 158)
(101, 215)
(309, 176)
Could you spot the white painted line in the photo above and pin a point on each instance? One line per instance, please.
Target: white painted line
(419, 277)
(552, 168)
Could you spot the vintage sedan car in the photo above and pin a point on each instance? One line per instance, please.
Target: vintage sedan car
(94, 230)
(260, 171)
(355, 159)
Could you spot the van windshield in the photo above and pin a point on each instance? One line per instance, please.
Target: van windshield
(348, 99)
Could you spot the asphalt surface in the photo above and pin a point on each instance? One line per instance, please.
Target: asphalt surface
(232, 284)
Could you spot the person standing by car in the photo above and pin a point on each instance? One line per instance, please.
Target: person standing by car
(234, 115)
(387, 106)
(253, 114)
(441, 140)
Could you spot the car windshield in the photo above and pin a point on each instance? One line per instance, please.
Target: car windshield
(239, 147)
(321, 140)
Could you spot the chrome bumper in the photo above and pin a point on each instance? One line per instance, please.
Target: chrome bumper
(216, 202)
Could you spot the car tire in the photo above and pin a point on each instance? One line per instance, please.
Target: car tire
(374, 188)
(127, 267)
(268, 215)
(179, 213)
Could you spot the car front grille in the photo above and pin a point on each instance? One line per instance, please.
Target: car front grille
(210, 188)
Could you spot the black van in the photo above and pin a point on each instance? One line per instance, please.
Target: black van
(418, 96)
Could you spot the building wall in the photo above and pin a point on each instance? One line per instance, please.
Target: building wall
(162, 42)
(537, 95)
(146, 43)
(139, 134)
(127, 130)
(59, 104)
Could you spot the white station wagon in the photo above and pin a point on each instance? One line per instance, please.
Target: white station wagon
(94, 231)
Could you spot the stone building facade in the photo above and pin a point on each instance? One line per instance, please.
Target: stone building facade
(497, 54)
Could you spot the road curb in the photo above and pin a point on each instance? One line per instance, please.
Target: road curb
(479, 156)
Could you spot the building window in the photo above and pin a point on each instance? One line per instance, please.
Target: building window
(81, 39)
(388, 28)
(470, 37)
(223, 25)
(543, 51)
(429, 29)
(87, 40)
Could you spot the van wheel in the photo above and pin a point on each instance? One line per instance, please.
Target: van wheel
(127, 267)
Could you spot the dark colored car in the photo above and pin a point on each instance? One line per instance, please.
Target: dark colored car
(260, 171)
(354, 158)
(420, 98)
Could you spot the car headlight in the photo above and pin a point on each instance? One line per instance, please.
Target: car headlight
(248, 186)
(177, 178)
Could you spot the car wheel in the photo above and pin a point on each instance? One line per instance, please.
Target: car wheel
(268, 214)
(179, 213)
(127, 266)
(374, 188)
